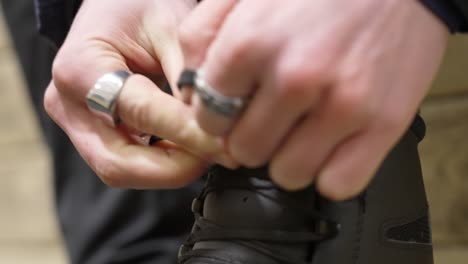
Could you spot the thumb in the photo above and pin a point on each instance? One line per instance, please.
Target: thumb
(145, 108)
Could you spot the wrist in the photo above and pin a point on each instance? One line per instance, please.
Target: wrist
(453, 13)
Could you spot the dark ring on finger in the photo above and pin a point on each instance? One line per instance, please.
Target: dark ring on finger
(187, 78)
(214, 101)
(153, 140)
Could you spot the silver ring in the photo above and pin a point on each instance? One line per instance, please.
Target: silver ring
(214, 101)
(102, 98)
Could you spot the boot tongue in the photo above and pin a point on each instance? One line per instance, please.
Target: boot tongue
(237, 200)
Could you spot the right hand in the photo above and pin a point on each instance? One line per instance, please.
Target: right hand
(329, 93)
(139, 36)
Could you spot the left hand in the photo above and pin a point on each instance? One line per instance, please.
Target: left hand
(334, 84)
(138, 36)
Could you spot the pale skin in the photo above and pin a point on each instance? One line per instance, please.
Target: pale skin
(335, 83)
(140, 36)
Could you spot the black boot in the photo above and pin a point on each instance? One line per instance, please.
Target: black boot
(387, 224)
(241, 217)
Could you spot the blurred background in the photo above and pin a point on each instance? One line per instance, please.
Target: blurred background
(28, 232)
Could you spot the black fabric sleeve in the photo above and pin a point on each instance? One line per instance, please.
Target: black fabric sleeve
(55, 17)
(450, 13)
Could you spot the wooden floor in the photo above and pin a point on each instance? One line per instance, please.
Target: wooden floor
(28, 232)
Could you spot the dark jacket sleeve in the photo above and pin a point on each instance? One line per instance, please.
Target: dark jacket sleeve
(451, 13)
(55, 18)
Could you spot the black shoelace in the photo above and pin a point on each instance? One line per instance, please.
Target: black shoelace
(257, 240)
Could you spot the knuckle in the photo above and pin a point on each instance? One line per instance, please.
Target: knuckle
(50, 101)
(138, 114)
(240, 50)
(187, 37)
(296, 80)
(294, 88)
(138, 105)
(63, 74)
(194, 42)
(354, 105)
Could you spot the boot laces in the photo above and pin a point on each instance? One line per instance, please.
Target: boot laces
(255, 239)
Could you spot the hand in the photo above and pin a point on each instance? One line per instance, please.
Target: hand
(333, 84)
(140, 36)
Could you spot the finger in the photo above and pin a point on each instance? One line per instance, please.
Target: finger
(304, 151)
(169, 54)
(75, 80)
(286, 95)
(197, 32)
(341, 114)
(113, 157)
(200, 28)
(233, 66)
(144, 107)
(351, 166)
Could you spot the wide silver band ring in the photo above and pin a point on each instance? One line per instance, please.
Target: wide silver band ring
(226, 106)
(102, 98)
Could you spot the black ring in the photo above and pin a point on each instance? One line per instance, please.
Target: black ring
(187, 78)
(153, 140)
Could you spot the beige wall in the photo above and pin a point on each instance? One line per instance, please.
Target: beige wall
(444, 152)
(453, 75)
